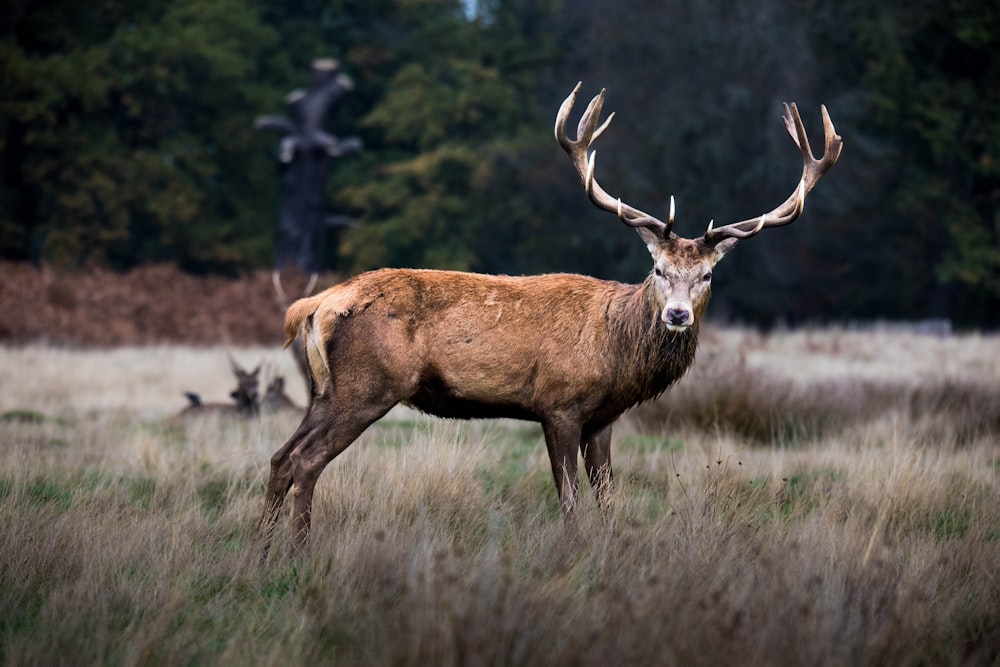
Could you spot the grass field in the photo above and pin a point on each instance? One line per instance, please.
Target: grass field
(815, 497)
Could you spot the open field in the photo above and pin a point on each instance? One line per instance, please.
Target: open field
(815, 497)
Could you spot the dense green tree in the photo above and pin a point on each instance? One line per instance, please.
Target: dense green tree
(445, 119)
(423, 206)
(126, 130)
(933, 77)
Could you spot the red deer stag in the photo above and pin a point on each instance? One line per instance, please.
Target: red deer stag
(568, 351)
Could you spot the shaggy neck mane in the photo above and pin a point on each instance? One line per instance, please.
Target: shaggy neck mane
(649, 357)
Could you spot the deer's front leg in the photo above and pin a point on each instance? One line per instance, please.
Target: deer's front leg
(596, 451)
(562, 438)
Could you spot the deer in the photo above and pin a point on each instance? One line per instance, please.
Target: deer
(245, 395)
(570, 352)
(276, 400)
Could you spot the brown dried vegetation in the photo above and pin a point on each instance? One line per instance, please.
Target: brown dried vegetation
(725, 394)
(150, 304)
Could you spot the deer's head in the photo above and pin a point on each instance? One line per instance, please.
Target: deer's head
(682, 268)
(246, 390)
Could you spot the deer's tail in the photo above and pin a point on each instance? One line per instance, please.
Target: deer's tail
(313, 318)
(297, 314)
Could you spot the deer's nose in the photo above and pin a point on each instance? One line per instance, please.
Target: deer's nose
(677, 316)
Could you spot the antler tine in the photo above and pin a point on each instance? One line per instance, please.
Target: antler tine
(587, 130)
(649, 221)
(796, 130)
(563, 115)
(587, 133)
(812, 171)
(833, 143)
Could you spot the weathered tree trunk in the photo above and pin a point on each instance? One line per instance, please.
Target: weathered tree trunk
(304, 153)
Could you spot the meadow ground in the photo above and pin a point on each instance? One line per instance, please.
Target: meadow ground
(812, 497)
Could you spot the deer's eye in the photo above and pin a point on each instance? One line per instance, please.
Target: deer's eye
(707, 277)
(658, 272)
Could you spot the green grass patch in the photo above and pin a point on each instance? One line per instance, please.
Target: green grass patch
(279, 581)
(215, 493)
(45, 491)
(518, 474)
(32, 417)
(140, 491)
(949, 524)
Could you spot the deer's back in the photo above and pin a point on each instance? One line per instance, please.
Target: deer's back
(460, 344)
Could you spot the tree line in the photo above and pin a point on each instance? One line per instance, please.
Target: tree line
(126, 131)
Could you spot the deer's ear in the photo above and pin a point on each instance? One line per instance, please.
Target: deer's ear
(650, 238)
(722, 247)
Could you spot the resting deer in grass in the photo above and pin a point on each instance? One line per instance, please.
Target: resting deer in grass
(245, 397)
(569, 351)
(276, 400)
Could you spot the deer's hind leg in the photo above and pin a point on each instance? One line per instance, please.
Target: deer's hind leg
(318, 448)
(280, 479)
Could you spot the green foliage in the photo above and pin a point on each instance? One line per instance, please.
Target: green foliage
(133, 136)
(931, 78)
(444, 117)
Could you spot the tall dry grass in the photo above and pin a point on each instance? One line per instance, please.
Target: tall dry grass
(870, 537)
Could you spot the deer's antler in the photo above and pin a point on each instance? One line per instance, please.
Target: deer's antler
(587, 132)
(812, 171)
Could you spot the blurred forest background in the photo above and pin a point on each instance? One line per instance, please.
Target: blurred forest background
(126, 131)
